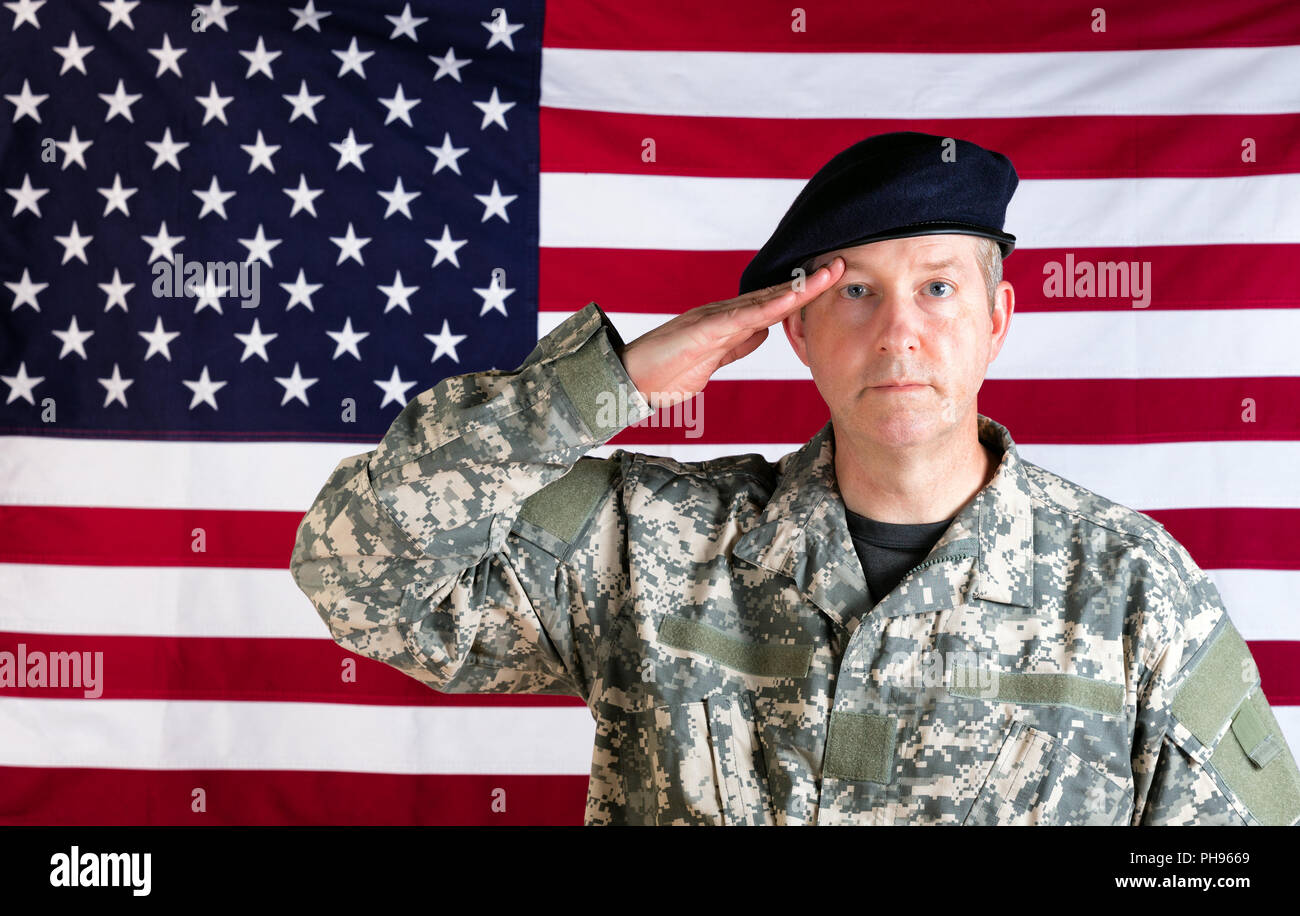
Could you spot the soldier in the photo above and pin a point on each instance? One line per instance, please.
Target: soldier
(902, 622)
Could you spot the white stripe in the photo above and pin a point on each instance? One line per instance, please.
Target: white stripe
(113, 473)
(1288, 717)
(144, 474)
(686, 213)
(264, 603)
(202, 735)
(1188, 343)
(1263, 603)
(726, 84)
(1179, 475)
(156, 601)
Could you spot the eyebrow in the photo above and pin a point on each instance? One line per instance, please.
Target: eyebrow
(945, 263)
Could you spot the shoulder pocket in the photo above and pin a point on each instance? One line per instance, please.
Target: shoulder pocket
(1223, 721)
(1036, 779)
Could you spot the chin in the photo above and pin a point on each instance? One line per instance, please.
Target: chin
(901, 426)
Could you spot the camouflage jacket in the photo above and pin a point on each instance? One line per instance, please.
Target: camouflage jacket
(1056, 659)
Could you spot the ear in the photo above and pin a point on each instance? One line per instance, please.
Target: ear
(1004, 304)
(795, 326)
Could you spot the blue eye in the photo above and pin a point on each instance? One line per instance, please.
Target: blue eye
(860, 286)
(941, 283)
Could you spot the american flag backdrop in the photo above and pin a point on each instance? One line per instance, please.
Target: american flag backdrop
(236, 239)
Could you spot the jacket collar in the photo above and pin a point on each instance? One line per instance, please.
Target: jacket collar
(804, 534)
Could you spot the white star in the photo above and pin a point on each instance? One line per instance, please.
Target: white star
(25, 11)
(307, 16)
(214, 199)
(26, 102)
(165, 150)
(204, 388)
(74, 148)
(214, 14)
(398, 295)
(259, 247)
(394, 389)
(399, 200)
(115, 386)
(21, 385)
(73, 54)
(259, 59)
(74, 339)
(346, 340)
(353, 59)
(448, 65)
(494, 110)
(26, 197)
(300, 292)
(25, 291)
(501, 30)
(494, 297)
(494, 204)
(255, 342)
(120, 11)
(447, 154)
(207, 296)
(116, 195)
(405, 24)
(295, 386)
(350, 151)
(159, 340)
(399, 106)
(119, 103)
(303, 196)
(349, 246)
(162, 244)
(74, 244)
(444, 342)
(168, 57)
(303, 104)
(214, 106)
(446, 247)
(260, 153)
(116, 291)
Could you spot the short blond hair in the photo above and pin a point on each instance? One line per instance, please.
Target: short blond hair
(987, 252)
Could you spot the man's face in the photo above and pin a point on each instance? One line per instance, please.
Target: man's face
(912, 309)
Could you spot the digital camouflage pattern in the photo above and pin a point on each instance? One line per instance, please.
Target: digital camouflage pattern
(1056, 659)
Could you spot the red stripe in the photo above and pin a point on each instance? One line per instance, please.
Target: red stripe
(1235, 538)
(1046, 411)
(244, 669)
(308, 671)
(1268, 532)
(1085, 146)
(671, 282)
(57, 796)
(850, 25)
(96, 536)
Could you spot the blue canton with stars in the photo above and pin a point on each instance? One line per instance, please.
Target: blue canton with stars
(236, 220)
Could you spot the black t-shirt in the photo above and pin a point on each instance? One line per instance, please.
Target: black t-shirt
(888, 551)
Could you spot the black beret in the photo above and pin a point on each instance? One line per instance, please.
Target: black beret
(886, 187)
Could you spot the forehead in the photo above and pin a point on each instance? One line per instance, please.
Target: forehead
(917, 252)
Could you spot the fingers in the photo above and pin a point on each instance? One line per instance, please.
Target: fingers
(784, 298)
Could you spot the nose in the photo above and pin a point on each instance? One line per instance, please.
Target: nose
(898, 323)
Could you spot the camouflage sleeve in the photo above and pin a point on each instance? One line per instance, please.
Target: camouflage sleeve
(409, 552)
(1208, 747)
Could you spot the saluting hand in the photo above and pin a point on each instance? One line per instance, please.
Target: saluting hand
(675, 361)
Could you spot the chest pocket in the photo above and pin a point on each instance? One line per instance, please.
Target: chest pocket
(702, 761)
(1036, 779)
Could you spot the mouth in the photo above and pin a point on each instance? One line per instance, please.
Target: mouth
(900, 386)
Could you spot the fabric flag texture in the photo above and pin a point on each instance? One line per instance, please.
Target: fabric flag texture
(237, 239)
